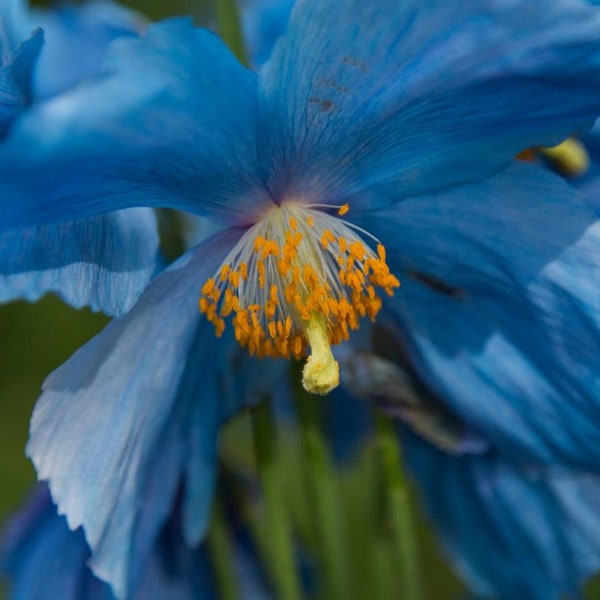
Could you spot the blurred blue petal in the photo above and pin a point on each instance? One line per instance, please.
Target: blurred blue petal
(77, 37)
(14, 26)
(500, 311)
(264, 22)
(589, 184)
(512, 532)
(414, 96)
(161, 128)
(45, 560)
(103, 262)
(16, 74)
(135, 413)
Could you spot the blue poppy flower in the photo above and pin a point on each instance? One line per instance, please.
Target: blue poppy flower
(406, 115)
(103, 262)
(45, 560)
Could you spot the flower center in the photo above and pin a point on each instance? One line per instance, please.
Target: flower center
(298, 278)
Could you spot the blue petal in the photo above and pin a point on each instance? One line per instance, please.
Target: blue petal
(103, 262)
(161, 128)
(135, 413)
(413, 96)
(264, 21)
(15, 79)
(512, 533)
(500, 310)
(77, 37)
(14, 26)
(589, 184)
(47, 561)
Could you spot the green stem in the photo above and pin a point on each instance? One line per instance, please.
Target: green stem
(219, 545)
(279, 545)
(398, 509)
(230, 29)
(328, 509)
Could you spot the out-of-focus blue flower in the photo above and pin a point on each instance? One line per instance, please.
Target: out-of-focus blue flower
(103, 262)
(408, 114)
(513, 529)
(44, 560)
(264, 22)
(77, 37)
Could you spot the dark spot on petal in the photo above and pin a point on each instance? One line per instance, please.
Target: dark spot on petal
(356, 63)
(326, 106)
(437, 285)
(323, 105)
(331, 83)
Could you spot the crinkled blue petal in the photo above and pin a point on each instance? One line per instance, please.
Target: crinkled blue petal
(135, 413)
(15, 79)
(103, 262)
(500, 310)
(512, 532)
(45, 560)
(161, 128)
(264, 21)
(77, 37)
(412, 96)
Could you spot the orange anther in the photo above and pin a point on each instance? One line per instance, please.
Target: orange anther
(207, 288)
(224, 272)
(244, 271)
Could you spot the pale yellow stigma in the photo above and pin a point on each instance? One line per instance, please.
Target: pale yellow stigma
(321, 373)
(298, 278)
(569, 158)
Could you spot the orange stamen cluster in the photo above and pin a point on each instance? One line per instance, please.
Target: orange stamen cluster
(294, 267)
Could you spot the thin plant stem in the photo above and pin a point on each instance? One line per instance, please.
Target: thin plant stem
(279, 545)
(398, 510)
(219, 544)
(328, 508)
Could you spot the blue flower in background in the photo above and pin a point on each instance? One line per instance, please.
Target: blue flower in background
(263, 22)
(406, 115)
(76, 41)
(103, 262)
(513, 529)
(45, 560)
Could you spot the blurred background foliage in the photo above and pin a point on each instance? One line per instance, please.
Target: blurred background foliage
(38, 338)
